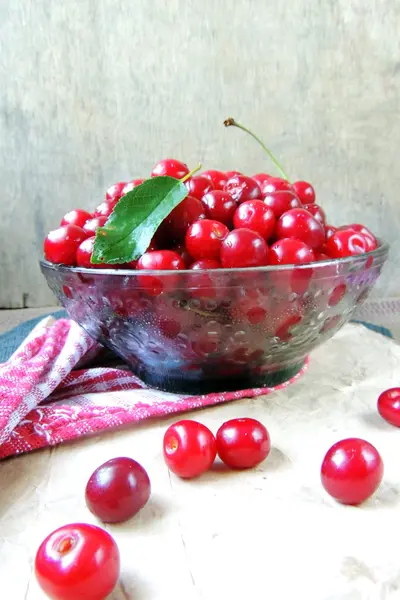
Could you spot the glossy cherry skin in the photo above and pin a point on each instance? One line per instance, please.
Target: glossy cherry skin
(105, 208)
(291, 252)
(317, 212)
(91, 226)
(131, 185)
(171, 167)
(78, 561)
(276, 184)
(179, 220)
(115, 191)
(189, 448)
(160, 260)
(261, 179)
(220, 206)
(84, 254)
(242, 188)
(304, 191)
(281, 202)
(346, 242)
(298, 223)
(117, 490)
(199, 185)
(257, 216)
(218, 178)
(204, 239)
(244, 248)
(351, 471)
(372, 242)
(205, 264)
(76, 217)
(329, 230)
(389, 406)
(61, 244)
(243, 443)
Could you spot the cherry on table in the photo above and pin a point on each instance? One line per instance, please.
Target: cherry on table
(199, 185)
(244, 248)
(117, 490)
(243, 443)
(171, 167)
(78, 561)
(76, 217)
(304, 191)
(189, 448)
(300, 224)
(257, 216)
(281, 201)
(204, 238)
(217, 178)
(242, 188)
(220, 206)
(61, 244)
(389, 406)
(351, 471)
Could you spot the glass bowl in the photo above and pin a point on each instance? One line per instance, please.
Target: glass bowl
(217, 330)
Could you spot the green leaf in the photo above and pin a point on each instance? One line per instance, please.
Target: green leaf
(135, 219)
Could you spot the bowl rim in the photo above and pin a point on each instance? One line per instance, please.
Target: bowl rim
(381, 251)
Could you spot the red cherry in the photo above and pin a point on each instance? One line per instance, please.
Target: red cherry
(199, 185)
(317, 212)
(84, 254)
(76, 217)
(243, 443)
(261, 179)
(320, 256)
(244, 248)
(61, 244)
(257, 216)
(276, 184)
(131, 185)
(78, 561)
(203, 286)
(204, 238)
(220, 206)
(371, 239)
(351, 471)
(242, 188)
(281, 202)
(115, 191)
(170, 167)
(218, 178)
(291, 252)
(117, 490)
(230, 174)
(300, 224)
(206, 263)
(304, 191)
(105, 208)
(329, 230)
(346, 242)
(182, 251)
(179, 220)
(389, 406)
(91, 226)
(159, 260)
(189, 448)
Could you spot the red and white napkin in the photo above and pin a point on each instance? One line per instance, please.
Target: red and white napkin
(47, 396)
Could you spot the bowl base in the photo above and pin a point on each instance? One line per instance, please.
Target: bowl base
(217, 385)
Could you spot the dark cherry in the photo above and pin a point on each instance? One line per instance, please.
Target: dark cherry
(61, 244)
(76, 217)
(244, 248)
(175, 226)
(304, 191)
(115, 191)
(182, 251)
(171, 167)
(199, 185)
(91, 226)
(217, 178)
(257, 216)
(84, 254)
(204, 238)
(298, 223)
(220, 206)
(317, 212)
(128, 187)
(276, 184)
(242, 188)
(280, 202)
(346, 242)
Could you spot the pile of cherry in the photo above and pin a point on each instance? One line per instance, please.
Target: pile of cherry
(82, 561)
(227, 220)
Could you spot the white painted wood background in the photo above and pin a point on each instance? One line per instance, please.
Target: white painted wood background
(95, 91)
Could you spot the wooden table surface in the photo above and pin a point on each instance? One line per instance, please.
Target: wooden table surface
(268, 533)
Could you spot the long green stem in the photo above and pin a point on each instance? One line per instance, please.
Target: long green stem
(192, 172)
(232, 123)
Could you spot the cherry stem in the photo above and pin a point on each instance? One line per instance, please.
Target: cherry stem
(232, 123)
(192, 172)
